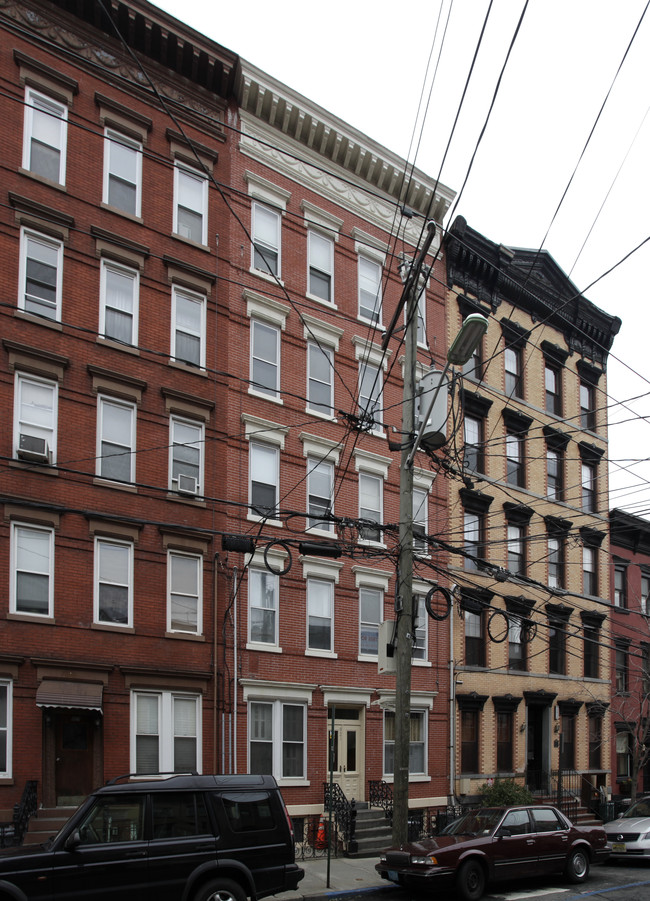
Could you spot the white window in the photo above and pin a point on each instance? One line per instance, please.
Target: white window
(320, 493)
(190, 204)
(41, 275)
(420, 646)
(265, 358)
(320, 379)
(417, 742)
(371, 610)
(320, 615)
(262, 607)
(420, 521)
(116, 440)
(371, 490)
(6, 724)
(277, 739)
(45, 136)
(113, 582)
(122, 172)
(32, 581)
(369, 290)
(267, 224)
(119, 292)
(35, 418)
(184, 593)
(188, 327)
(186, 442)
(264, 461)
(165, 732)
(320, 252)
(371, 389)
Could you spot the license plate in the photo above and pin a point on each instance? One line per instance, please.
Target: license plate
(393, 876)
(618, 847)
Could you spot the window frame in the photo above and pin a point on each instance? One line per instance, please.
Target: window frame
(469, 740)
(196, 598)
(621, 669)
(517, 647)
(126, 272)
(552, 388)
(417, 748)
(420, 520)
(23, 426)
(591, 651)
(165, 734)
(313, 382)
(588, 417)
(371, 403)
(327, 615)
(374, 596)
(515, 459)
(58, 111)
(174, 463)
(48, 571)
(113, 137)
(182, 170)
(103, 402)
(262, 251)
(474, 637)
(557, 647)
(317, 271)
(101, 542)
(276, 741)
(256, 511)
(588, 481)
(270, 363)
(504, 734)
(516, 548)
(369, 533)
(7, 730)
(29, 236)
(473, 525)
(473, 451)
(554, 474)
(513, 376)
(319, 467)
(257, 575)
(620, 586)
(200, 301)
(555, 562)
(368, 287)
(590, 570)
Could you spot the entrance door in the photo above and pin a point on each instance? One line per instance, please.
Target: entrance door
(74, 757)
(537, 759)
(347, 757)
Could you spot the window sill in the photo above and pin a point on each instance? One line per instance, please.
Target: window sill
(188, 636)
(413, 777)
(267, 648)
(274, 398)
(188, 367)
(108, 627)
(46, 469)
(194, 501)
(115, 209)
(118, 345)
(39, 320)
(190, 242)
(367, 658)
(328, 304)
(371, 322)
(421, 663)
(267, 277)
(45, 619)
(277, 523)
(326, 417)
(118, 486)
(42, 180)
(287, 783)
(329, 655)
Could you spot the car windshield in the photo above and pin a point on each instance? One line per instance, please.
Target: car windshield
(640, 809)
(476, 822)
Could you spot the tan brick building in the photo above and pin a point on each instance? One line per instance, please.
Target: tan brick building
(528, 521)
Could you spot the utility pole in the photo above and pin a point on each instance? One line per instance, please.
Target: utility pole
(405, 632)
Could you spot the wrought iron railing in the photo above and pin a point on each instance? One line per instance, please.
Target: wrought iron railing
(13, 832)
(310, 833)
(380, 794)
(344, 814)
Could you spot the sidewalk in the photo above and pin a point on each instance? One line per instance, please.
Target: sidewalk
(347, 876)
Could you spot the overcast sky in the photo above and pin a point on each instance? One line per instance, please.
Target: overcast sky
(386, 69)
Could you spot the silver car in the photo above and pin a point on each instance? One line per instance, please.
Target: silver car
(628, 837)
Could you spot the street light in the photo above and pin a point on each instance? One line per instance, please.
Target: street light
(462, 348)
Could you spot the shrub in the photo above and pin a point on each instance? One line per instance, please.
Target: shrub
(503, 793)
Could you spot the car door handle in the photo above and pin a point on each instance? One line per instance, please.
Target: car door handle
(133, 854)
(530, 841)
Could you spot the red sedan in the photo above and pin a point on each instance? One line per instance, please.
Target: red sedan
(492, 844)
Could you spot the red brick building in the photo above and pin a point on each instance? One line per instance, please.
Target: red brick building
(630, 651)
(199, 266)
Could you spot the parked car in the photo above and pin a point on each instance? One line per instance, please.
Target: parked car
(196, 838)
(628, 837)
(492, 844)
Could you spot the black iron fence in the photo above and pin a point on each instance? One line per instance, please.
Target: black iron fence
(13, 831)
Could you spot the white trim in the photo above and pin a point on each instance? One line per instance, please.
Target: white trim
(264, 431)
(321, 332)
(261, 307)
(365, 577)
(128, 546)
(262, 189)
(321, 448)
(335, 694)
(318, 218)
(8, 771)
(319, 568)
(371, 464)
(14, 570)
(367, 352)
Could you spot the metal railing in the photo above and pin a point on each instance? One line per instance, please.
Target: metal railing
(13, 832)
(344, 814)
(380, 794)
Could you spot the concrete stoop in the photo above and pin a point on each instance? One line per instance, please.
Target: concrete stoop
(373, 833)
(46, 823)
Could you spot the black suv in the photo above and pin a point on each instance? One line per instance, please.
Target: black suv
(186, 838)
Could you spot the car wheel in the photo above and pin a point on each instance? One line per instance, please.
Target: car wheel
(221, 890)
(577, 865)
(470, 882)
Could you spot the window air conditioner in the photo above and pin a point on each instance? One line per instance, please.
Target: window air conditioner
(32, 448)
(187, 484)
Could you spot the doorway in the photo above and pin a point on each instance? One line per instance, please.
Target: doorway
(537, 748)
(346, 751)
(74, 750)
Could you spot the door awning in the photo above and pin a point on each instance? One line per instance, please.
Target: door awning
(73, 695)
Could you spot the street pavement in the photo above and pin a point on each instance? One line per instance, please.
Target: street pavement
(347, 875)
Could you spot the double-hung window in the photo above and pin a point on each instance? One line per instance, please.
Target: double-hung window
(621, 668)
(420, 643)
(188, 327)
(504, 724)
(589, 570)
(587, 406)
(265, 358)
(122, 172)
(262, 607)
(186, 445)
(369, 290)
(472, 538)
(473, 452)
(557, 650)
(513, 376)
(474, 638)
(320, 493)
(6, 724)
(165, 732)
(516, 644)
(320, 615)
(555, 561)
(554, 474)
(620, 585)
(32, 579)
(515, 469)
(190, 204)
(553, 388)
(371, 607)
(591, 651)
(277, 738)
(320, 379)
(420, 521)
(371, 489)
(645, 593)
(35, 419)
(267, 224)
(184, 593)
(264, 462)
(119, 291)
(371, 395)
(41, 275)
(45, 136)
(516, 550)
(417, 742)
(469, 740)
(588, 478)
(320, 251)
(113, 582)
(116, 440)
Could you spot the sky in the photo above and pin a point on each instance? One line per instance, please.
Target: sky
(563, 162)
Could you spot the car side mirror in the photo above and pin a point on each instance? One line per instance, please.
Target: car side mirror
(504, 832)
(72, 841)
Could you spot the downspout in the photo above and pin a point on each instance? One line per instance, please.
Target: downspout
(452, 711)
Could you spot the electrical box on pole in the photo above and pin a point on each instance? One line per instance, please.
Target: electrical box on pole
(434, 390)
